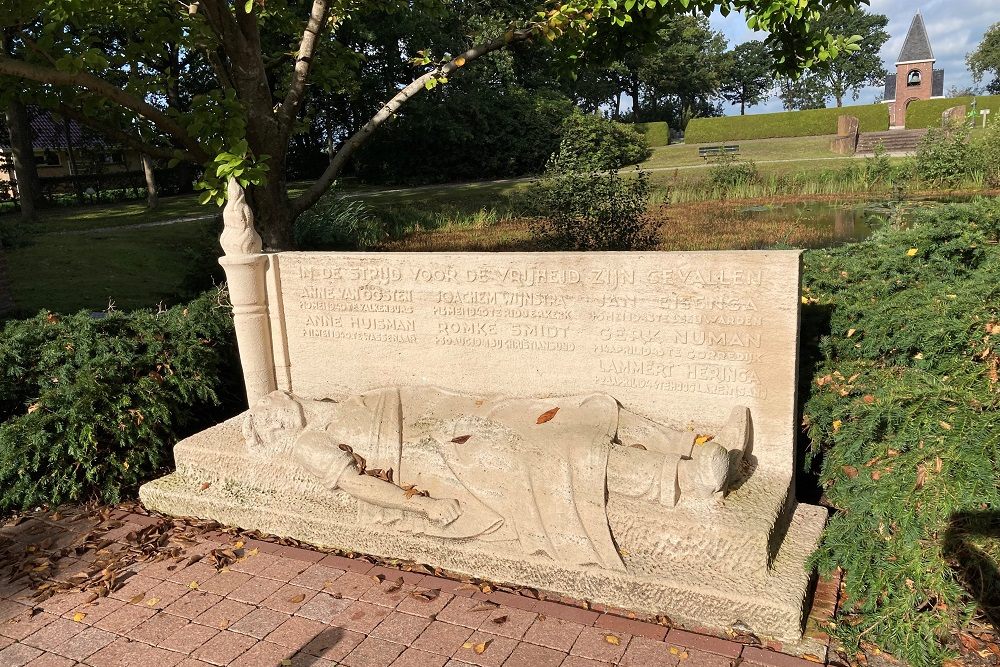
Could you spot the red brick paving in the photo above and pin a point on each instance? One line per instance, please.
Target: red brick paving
(280, 605)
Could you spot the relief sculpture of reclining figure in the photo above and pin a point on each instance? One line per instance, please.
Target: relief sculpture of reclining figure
(460, 467)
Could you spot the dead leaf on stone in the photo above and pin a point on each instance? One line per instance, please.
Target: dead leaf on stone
(812, 658)
(296, 599)
(137, 598)
(379, 578)
(683, 655)
(205, 486)
(193, 585)
(547, 416)
(426, 596)
(486, 588)
(152, 602)
(500, 620)
(461, 440)
(639, 446)
(702, 439)
(481, 647)
(614, 640)
(394, 586)
(485, 605)
(79, 616)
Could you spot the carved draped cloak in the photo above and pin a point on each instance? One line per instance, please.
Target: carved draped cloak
(541, 485)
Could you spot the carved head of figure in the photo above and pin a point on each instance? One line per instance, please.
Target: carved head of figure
(273, 423)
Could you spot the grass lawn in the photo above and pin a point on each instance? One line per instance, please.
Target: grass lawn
(759, 150)
(133, 268)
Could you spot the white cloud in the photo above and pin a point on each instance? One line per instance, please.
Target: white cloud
(955, 28)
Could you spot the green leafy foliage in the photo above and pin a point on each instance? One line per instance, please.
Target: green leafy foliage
(878, 167)
(90, 406)
(903, 424)
(984, 62)
(814, 122)
(944, 156)
(591, 142)
(467, 132)
(729, 171)
(592, 210)
(927, 113)
(338, 223)
(986, 151)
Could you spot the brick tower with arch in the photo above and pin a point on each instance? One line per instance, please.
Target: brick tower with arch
(915, 77)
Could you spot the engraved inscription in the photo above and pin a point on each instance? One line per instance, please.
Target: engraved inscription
(612, 322)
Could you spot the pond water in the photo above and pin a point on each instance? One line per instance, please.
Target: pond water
(833, 222)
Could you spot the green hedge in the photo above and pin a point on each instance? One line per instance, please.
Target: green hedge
(657, 134)
(811, 123)
(90, 406)
(927, 113)
(900, 338)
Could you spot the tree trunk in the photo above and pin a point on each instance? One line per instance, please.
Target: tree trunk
(273, 212)
(152, 196)
(743, 108)
(29, 191)
(6, 300)
(618, 105)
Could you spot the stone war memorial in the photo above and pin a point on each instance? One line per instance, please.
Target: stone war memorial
(616, 427)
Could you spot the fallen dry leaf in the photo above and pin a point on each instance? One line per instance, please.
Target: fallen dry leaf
(205, 486)
(461, 440)
(547, 416)
(850, 471)
(79, 616)
(481, 647)
(193, 585)
(812, 658)
(137, 599)
(614, 640)
(500, 620)
(702, 439)
(295, 599)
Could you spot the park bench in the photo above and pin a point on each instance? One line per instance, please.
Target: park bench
(706, 152)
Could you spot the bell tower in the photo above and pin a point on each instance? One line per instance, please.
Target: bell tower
(915, 77)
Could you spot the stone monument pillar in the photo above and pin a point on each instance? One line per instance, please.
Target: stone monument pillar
(245, 266)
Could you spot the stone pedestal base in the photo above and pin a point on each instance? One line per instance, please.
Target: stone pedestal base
(741, 563)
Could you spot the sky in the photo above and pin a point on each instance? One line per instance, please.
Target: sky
(955, 28)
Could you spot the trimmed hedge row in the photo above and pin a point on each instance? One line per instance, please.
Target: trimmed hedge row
(814, 122)
(657, 134)
(927, 113)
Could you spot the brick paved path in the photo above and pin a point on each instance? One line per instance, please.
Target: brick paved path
(277, 605)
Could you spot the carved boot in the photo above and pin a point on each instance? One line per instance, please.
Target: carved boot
(706, 473)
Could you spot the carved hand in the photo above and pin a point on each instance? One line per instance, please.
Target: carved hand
(442, 511)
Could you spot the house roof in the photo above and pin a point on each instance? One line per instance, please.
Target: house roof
(937, 86)
(50, 132)
(917, 47)
(890, 88)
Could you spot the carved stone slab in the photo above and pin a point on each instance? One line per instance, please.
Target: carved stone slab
(384, 350)
(679, 337)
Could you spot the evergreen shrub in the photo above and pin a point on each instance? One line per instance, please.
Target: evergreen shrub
(593, 210)
(903, 421)
(944, 156)
(590, 142)
(91, 405)
(729, 172)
